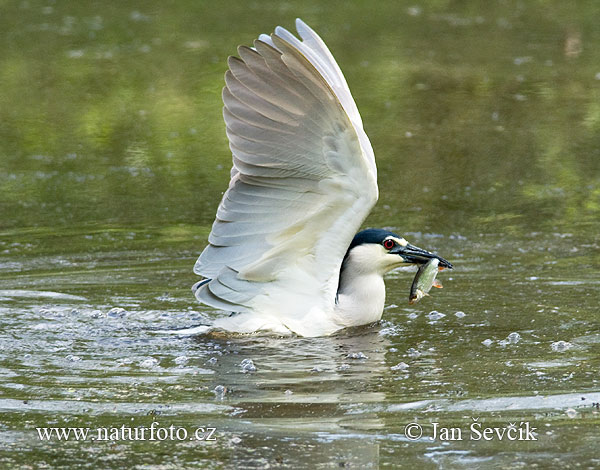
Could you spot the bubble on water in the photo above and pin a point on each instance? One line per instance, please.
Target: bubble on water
(235, 440)
(212, 361)
(571, 413)
(117, 312)
(514, 337)
(560, 346)
(400, 366)
(343, 367)
(316, 369)
(288, 392)
(412, 352)
(181, 360)
(247, 365)
(73, 358)
(487, 342)
(357, 355)
(220, 391)
(149, 363)
(393, 330)
(434, 315)
(460, 314)
(412, 316)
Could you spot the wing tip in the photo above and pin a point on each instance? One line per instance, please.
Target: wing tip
(301, 25)
(280, 30)
(233, 61)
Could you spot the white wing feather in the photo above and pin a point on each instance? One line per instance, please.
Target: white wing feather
(303, 181)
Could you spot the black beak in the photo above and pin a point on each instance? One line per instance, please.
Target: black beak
(416, 255)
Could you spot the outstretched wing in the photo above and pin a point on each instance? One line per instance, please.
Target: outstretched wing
(303, 178)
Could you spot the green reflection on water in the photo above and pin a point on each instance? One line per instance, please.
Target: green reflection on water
(114, 113)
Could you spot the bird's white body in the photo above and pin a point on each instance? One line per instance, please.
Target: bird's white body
(360, 301)
(303, 181)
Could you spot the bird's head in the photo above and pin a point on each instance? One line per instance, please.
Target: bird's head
(378, 250)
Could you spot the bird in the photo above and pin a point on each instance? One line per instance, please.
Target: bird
(285, 254)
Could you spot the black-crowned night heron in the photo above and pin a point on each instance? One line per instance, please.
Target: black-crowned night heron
(283, 252)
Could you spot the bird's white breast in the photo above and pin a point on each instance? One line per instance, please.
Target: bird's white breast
(362, 301)
(361, 294)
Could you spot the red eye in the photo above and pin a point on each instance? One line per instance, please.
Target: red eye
(388, 244)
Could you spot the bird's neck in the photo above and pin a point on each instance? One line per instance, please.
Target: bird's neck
(361, 296)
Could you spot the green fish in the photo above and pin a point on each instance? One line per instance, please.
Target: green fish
(424, 281)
